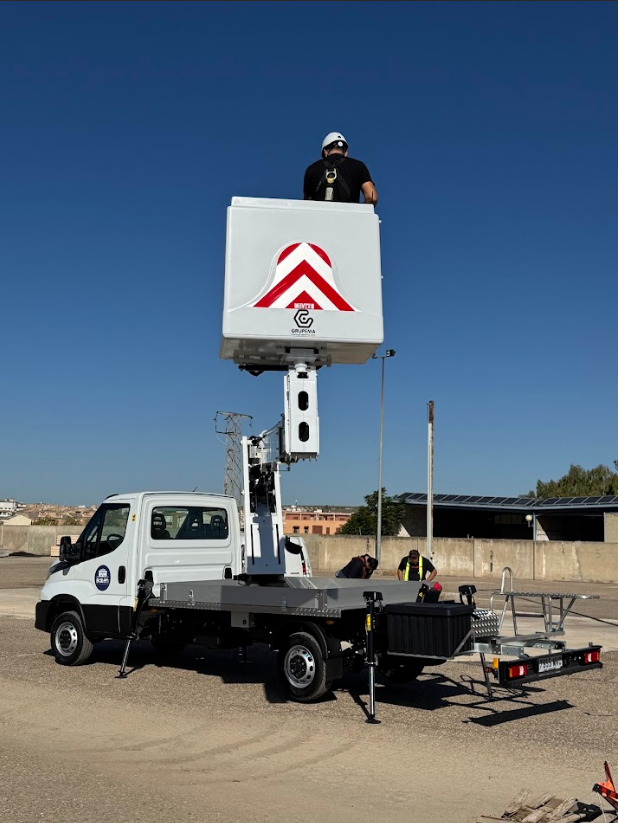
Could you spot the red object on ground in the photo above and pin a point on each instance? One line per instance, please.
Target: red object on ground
(607, 789)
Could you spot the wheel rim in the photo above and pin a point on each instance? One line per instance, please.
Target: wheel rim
(66, 639)
(299, 666)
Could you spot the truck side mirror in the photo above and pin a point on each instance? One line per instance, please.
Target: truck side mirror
(293, 545)
(69, 552)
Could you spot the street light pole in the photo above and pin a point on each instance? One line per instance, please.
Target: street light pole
(389, 353)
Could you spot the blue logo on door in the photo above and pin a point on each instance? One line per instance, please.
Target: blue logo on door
(102, 578)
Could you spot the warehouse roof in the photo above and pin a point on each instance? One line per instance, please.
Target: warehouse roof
(608, 502)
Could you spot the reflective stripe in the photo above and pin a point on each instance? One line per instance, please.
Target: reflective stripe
(406, 575)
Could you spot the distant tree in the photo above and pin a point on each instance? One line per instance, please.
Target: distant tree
(71, 520)
(579, 482)
(365, 518)
(45, 521)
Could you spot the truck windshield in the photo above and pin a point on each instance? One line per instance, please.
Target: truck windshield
(106, 531)
(188, 523)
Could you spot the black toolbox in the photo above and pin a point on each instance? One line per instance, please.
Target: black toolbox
(428, 629)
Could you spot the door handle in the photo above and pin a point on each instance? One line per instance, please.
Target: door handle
(122, 574)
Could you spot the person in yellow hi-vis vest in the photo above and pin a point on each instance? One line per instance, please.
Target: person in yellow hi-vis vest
(416, 567)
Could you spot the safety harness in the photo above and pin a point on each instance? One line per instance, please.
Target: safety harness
(406, 575)
(331, 175)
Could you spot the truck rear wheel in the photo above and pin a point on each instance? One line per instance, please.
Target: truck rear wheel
(399, 673)
(302, 668)
(69, 643)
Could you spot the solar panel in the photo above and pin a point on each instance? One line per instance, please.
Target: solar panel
(419, 498)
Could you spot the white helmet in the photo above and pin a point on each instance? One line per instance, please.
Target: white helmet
(334, 138)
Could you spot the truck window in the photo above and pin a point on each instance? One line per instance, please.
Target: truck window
(188, 523)
(106, 530)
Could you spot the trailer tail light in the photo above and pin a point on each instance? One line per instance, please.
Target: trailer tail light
(592, 657)
(520, 670)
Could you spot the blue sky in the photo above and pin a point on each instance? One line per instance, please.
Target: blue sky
(125, 129)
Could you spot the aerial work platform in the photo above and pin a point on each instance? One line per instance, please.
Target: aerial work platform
(303, 283)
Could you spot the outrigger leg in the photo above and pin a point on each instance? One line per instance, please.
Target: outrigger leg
(144, 591)
(370, 600)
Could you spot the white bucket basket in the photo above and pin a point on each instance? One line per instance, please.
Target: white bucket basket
(302, 283)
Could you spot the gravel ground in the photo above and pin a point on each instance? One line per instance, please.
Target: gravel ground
(211, 739)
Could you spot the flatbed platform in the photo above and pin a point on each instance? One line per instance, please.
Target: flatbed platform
(301, 596)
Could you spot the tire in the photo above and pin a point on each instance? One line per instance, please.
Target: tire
(168, 649)
(69, 643)
(302, 669)
(398, 673)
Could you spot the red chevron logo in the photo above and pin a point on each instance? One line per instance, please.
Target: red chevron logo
(304, 280)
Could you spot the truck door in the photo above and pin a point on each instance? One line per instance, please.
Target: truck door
(100, 579)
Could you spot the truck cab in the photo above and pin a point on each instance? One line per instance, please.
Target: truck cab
(165, 537)
(162, 536)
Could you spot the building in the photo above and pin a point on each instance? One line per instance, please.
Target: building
(7, 508)
(301, 521)
(587, 519)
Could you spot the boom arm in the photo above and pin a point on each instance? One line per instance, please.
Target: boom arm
(295, 437)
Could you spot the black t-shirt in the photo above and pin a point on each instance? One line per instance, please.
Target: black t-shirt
(354, 569)
(355, 172)
(428, 568)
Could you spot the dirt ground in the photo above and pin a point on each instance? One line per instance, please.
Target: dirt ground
(211, 739)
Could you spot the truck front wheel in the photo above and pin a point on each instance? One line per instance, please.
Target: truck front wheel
(69, 643)
(302, 668)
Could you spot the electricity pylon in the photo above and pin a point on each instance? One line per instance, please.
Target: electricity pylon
(230, 424)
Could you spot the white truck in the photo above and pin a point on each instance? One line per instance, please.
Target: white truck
(302, 292)
(182, 554)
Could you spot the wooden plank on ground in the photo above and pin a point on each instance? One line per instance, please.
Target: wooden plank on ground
(536, 815)
(543, 800)
(565, 807)
(516, 804)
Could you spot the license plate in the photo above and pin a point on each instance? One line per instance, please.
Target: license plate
(550, 665)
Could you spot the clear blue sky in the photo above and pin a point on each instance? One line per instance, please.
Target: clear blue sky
(125, 129)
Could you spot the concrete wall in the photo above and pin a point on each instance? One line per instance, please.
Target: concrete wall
(491, 556)
(34, 539)
(611, 528)
(467, 558)
(473, 558)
